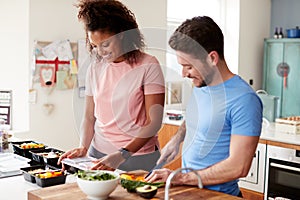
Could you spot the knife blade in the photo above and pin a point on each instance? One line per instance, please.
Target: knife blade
(159, 166)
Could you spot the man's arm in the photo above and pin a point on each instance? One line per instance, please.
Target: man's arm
(171, 149)
(242, 149)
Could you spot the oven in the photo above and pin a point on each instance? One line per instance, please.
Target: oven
(282, 173)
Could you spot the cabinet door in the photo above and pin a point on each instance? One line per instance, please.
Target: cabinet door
(291, 93)
(252, 176)
(164, 135)
(277, 52)
(273, 57)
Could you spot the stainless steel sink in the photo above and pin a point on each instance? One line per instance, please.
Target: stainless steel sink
(169, 179)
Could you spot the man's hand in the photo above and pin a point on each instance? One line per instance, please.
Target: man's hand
(169, 152)
(158, 175)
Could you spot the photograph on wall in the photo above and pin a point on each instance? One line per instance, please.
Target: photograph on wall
(173, 92)
(176, 93)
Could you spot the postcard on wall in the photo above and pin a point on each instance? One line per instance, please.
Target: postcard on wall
(65, 80)
(47, 76)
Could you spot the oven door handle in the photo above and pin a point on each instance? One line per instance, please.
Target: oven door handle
(285, 167)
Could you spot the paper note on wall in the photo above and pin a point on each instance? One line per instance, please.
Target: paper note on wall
(49, 51)
(59, 48)
(64, 51)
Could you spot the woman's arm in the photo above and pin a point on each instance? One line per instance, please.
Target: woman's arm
(87, 132)
(154, 105)
(88, 123)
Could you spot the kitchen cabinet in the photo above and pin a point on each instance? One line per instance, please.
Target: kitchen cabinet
(252, 186)
(281, 73)
(250, 194)
(164, 135)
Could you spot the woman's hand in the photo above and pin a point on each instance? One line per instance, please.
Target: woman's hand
(74, 153)
(109, 162)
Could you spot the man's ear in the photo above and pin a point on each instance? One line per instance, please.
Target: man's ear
(121, 36)
(213, 58)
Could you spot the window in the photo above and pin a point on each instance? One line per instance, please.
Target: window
(14, 73)
(224, 13)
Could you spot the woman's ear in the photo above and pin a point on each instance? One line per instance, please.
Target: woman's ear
(213, 58)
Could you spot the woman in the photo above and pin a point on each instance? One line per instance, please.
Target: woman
(124, 91)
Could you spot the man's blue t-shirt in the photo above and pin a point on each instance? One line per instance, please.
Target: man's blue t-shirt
(212, 115)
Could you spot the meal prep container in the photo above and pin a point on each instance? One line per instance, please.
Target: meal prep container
(41, 156)
(25, 152)
(31, 177)
(72, 165)
(46, 182)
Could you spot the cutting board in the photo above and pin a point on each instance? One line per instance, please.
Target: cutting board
(71, 191)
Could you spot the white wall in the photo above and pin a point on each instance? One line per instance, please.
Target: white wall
(14, 70)
(231, 11)
(54, 20)
(254, 27)
(152, 19)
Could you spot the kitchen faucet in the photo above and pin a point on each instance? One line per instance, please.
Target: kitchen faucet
(168, 182)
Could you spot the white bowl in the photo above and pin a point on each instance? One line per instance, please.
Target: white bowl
(98, 190)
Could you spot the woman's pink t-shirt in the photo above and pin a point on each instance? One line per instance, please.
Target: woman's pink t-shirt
(118, 91)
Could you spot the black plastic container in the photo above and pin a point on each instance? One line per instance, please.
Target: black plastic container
(41, 156)
(30, 177)
(46, 182)
(25, 152)
(71, 169)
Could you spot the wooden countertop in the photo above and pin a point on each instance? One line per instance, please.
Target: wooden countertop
(72, 191)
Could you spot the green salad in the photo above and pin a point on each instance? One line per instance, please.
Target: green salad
(95, 175)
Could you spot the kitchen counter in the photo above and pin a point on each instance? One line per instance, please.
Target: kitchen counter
(71, 191)
(270, 133)
(172, 122)
(17, 188)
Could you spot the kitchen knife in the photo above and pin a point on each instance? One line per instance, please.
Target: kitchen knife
(159, 166)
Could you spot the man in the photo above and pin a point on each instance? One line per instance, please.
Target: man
(223, 117)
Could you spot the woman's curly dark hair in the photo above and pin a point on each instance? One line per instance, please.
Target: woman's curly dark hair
(112, 16)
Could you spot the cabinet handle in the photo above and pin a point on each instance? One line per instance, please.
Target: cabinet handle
(283, 70)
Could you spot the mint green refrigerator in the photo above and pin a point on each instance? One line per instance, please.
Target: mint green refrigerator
(282, 73)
